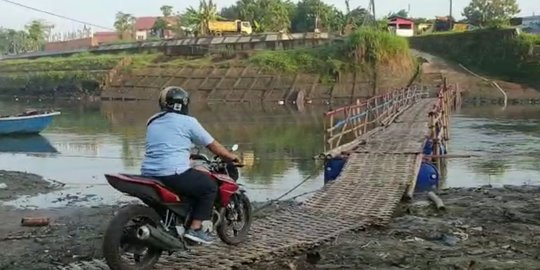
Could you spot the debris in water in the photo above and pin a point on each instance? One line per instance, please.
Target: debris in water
(35, 222)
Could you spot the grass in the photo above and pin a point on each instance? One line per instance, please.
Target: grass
(365, 48)
(75, 62)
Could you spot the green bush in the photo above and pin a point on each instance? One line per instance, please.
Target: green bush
(501, 53)
(371, 47)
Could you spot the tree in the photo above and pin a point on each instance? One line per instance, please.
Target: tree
(274, 16)
(39, 30)
(359, 15)
(230, 12)
(166, 10)
(124, 24)
(490, 13)
(402, 13)
(159, 27)
(200, 18)
(311, 14)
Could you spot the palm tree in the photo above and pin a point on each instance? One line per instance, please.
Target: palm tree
(201, 17)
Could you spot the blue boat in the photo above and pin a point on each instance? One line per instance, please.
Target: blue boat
(32, 122)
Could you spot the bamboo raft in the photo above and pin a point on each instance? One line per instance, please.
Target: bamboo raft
(383, 162)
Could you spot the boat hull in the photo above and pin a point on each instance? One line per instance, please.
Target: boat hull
(33, 124)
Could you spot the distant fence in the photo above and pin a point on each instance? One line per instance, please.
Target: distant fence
(201, 45)
(347, 123)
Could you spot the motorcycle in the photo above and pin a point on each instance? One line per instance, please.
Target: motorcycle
(146, 231)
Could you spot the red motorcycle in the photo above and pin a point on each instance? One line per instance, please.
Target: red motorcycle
(144, 232)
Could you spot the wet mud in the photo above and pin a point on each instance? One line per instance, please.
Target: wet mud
(74, 233)
(481, 228)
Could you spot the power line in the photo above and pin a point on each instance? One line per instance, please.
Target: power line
(56, 15)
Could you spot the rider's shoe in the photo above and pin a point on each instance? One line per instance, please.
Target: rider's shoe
(199, 236)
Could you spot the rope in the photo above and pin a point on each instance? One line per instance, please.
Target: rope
(134, 158)
(285, 194)
(489, 81)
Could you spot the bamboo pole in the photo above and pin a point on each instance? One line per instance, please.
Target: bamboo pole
(412, 182)
(436, 200)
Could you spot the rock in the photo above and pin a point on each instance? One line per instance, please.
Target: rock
(449, 240)
(478, 229)
(3, 186)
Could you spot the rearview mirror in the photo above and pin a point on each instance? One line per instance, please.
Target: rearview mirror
(234, 147)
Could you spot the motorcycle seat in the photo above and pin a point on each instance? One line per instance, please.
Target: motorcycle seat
(144, 178)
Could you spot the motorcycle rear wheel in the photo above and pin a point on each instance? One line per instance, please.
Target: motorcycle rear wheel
(239, 234)
(116, 234)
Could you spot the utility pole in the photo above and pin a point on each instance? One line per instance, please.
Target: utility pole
(451, 19)
(372, 3)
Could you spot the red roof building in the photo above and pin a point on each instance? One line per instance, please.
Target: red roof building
(401, 26)
(144, 26)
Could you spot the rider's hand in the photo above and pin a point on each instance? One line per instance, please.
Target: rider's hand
(233, 158)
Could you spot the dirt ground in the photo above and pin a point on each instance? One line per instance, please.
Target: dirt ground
(75, 233)
(481, 228)
(474, 87)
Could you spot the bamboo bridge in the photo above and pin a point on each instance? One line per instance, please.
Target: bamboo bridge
(386, 137)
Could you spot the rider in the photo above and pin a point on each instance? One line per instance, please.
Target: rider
(169, 139)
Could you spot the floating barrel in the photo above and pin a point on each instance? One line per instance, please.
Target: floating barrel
(428, 177)
(333, 167)
(428, 147)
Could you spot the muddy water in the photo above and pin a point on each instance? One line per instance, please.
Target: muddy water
(505, 145)
(89, 140)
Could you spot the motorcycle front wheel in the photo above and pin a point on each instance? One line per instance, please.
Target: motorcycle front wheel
(237, 218)
(120, 239)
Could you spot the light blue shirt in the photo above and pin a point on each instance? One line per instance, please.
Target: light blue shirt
(169, 140)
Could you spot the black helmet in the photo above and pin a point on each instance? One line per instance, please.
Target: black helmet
(174, 99)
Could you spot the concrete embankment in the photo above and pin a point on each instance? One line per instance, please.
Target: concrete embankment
(347, 69)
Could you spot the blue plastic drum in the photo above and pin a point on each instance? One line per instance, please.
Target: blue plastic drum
(428, 177)
(332, 168)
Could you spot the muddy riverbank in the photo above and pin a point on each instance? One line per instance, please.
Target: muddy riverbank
(481, 228)
(74, 234)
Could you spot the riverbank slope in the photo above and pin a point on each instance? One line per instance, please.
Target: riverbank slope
(488, 228)
(505, 55)
(350, 68)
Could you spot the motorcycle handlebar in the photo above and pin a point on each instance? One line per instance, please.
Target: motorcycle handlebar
(238, 164)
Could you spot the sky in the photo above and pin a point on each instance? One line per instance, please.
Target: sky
(102, 12)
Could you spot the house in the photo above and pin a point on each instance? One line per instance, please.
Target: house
(401, 26)
(144, 27)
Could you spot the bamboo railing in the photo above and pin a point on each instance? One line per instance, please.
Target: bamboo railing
(448, 99)
(347, 123)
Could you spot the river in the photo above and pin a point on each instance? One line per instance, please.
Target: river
(108, 137)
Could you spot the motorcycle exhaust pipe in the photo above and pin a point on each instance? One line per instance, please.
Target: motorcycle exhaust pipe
(158, 238)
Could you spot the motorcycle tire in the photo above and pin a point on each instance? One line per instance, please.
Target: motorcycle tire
(113, 236)
(243, 233)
